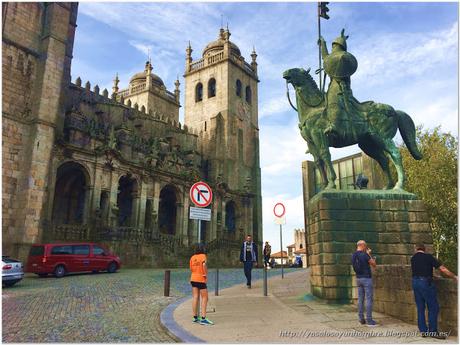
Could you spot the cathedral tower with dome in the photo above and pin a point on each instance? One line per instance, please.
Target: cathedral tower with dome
(81, 164)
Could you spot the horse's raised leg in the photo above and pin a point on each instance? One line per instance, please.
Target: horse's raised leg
(378, 154)
(396, 158)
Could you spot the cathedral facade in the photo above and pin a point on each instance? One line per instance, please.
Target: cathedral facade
(115, 167)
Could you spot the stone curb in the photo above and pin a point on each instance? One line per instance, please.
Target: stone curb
(167, 320)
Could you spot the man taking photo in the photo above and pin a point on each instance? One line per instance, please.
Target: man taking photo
(362, 262)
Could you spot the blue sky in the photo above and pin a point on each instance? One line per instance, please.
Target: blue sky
(407, 55)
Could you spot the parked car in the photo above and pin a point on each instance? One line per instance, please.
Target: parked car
(62, 258)
(11, 271)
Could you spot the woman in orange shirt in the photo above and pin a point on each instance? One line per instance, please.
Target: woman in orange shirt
(199, 289)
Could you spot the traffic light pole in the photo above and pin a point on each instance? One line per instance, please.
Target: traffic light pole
(319, 47)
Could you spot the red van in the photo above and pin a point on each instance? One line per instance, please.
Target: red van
(63, 258)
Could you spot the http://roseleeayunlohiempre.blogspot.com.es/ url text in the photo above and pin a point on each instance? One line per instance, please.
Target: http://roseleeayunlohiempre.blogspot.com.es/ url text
(349, 334)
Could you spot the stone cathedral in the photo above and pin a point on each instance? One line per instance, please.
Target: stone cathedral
(115, 166)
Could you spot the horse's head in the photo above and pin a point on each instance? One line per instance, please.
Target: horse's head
(296, 76)
(304, 83)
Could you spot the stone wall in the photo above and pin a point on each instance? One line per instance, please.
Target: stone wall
(390, 222)
(393, 296)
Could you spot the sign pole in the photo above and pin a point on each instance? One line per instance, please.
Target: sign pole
(281, 243)
(199, 231)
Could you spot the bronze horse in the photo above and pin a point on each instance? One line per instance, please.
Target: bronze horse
(370, 125)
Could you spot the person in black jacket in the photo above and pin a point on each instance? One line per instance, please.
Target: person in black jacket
(267, 253)
(248, 256)
(422, 265)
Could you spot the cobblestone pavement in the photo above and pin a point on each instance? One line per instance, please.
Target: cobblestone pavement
(120, 307)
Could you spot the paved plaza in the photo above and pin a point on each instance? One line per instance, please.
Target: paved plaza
(289, 314)
(120, 307)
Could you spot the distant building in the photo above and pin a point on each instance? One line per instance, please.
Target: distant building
(347, 170)
(291, 250)
(277, 257)
(298, 248)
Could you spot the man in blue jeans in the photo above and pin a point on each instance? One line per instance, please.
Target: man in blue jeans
(422, 265)
(248, 256)
(362, 262)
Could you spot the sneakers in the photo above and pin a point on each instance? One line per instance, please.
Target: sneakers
(372, 323)
(362, 321)
(195, 320)
(206, 322)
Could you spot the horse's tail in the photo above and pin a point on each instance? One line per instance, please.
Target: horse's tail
(407, 129)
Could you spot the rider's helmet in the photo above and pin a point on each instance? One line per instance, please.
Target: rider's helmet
(341, 40)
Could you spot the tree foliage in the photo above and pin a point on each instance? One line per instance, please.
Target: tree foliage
(434, 180)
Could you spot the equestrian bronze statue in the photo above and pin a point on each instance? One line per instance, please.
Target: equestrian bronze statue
(338, 119)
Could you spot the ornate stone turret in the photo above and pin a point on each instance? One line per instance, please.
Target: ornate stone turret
(225, 35)
(115, 85)
(148, 74)
(188, 58)
(177, 90)
(254, 57)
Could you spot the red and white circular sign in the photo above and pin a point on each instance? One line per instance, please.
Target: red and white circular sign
(279, 210)
(201, 194)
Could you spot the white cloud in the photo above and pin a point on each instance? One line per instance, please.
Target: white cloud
(274, 106)
(142, 47)
(396, 56)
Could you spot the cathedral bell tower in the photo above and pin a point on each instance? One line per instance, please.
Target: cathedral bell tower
(221, 103)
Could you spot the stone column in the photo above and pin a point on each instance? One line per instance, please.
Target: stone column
(179, 216)
(114, 177)
(156, 204)
(135, 210)
(184, 233)
(213, 223)
(142, 204)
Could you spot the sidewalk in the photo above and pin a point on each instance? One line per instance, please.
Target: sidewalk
(288, 315)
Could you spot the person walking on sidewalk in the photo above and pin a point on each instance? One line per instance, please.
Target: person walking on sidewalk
(198, 281)
(248, 256)
(362, 262)
(422, 265)
(267, 254)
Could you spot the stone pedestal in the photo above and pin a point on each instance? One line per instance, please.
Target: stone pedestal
(391, 223)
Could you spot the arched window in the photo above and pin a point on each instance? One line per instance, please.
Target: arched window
(199, 92)
(230, 216)
(70, 194)
(167, 210)
(211, 88)
(248, 94)
(127, 190)
(238, 88)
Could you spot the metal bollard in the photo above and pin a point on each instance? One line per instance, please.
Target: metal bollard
(167, 282)
(216, 293)
(265, 282)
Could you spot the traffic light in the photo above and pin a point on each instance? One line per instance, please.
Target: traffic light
(323, 10)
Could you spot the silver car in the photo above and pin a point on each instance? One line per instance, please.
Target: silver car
(12, 271)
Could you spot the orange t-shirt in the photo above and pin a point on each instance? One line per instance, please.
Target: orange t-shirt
(196, 266)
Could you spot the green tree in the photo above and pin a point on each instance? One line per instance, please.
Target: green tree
(434, 180)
